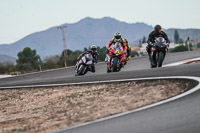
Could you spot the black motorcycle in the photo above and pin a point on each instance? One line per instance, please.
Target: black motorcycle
(159, 50)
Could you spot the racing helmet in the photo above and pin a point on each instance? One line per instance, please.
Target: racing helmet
(117, 35)
(93, 49)
(157, 28)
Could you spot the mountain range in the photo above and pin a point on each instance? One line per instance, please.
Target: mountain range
(7, 59)
(84, 33)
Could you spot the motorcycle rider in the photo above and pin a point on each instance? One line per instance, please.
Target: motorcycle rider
(153, 35)
(128, 49)
(117, 38)
(94, 53)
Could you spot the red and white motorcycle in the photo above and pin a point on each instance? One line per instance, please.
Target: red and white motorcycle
(116, 58)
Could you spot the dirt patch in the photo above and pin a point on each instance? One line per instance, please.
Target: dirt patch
(48, 109)
(193, 62)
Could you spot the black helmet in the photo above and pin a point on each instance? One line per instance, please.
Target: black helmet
(157, 28)
(117, 35)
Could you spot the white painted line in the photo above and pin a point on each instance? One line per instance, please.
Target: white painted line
(173, 64)
(181, 62)
(5, 76)
(145, 107)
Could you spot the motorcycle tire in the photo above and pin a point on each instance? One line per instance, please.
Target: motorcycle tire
(80, 70)
(160, 59)
(115, 65)
(153, 61)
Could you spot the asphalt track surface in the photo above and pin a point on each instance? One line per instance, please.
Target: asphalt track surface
(135, 68)
(179, 116)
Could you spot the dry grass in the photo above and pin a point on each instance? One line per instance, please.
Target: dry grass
(48, 109)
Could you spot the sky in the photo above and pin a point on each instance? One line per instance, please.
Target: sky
(19, 18)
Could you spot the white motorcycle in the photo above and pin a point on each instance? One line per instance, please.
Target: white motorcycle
(84, 64)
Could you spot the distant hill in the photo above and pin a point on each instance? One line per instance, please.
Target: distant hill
(194, 34)
(5, 58)
(86, 32)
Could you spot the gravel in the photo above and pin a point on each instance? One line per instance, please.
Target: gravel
(33, 110)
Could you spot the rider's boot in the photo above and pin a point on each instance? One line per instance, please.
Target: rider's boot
(106, 59)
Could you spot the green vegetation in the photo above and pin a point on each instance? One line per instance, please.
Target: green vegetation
(176, 37)
(74, 95)
(134, 54)
(7, 68)
(179, 49)
(29, 61)
(144, 40)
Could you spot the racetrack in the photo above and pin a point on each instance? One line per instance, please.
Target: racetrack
(181, 115)
(136, 68)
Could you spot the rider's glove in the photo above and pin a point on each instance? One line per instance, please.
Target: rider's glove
(168, 45)
(151, 44)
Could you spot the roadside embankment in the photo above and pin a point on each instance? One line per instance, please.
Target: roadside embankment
(48, 109)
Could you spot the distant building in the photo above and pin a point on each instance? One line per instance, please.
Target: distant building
(143, 48)
(137, 49)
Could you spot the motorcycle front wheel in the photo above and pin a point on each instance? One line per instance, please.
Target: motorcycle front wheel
(80, 70)
(115, 64)
(160, 59)
(153, 60)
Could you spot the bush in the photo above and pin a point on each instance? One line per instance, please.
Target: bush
(7, 68)
(179, 49)
(51, 62)
(134, 53)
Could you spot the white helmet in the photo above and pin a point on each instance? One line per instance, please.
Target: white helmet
(117, 35)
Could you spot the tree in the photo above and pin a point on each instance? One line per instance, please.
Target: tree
(85, 49)
(144, 40)
(51, 62)
(140, 43)
(102, 53)
(71, 57)
(28, 60)
(176, 37)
